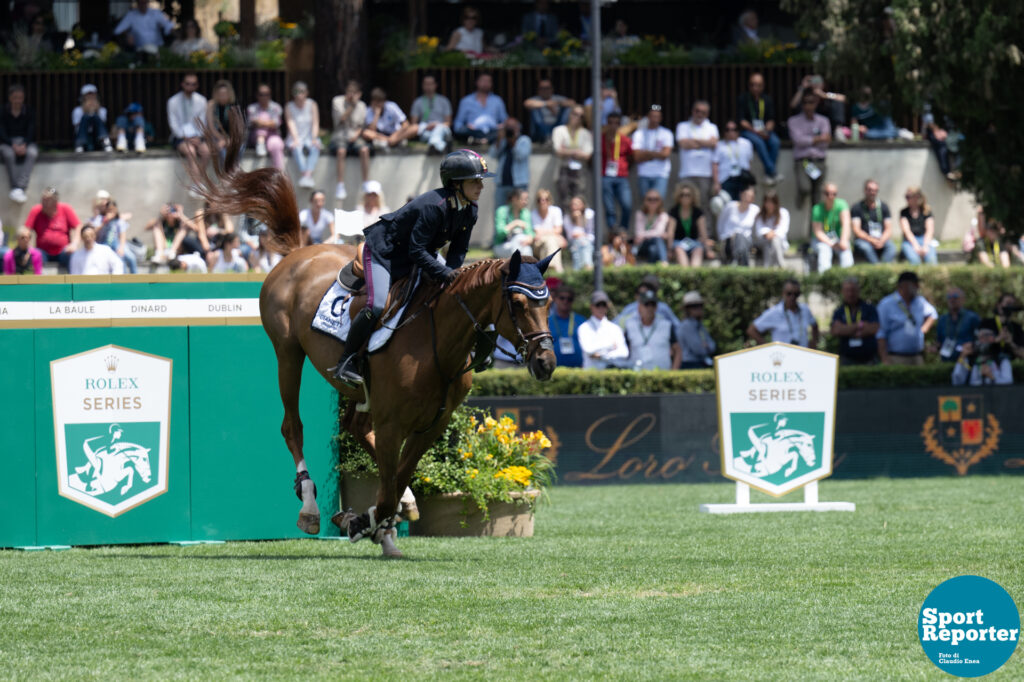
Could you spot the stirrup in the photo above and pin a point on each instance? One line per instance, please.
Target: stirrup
(346, 370)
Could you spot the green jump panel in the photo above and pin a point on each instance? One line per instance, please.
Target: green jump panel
(242, 471)
(144, 500)
(17, 424)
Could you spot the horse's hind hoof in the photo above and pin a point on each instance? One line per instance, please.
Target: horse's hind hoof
(387, 546)
(309, 523)
(339, 519)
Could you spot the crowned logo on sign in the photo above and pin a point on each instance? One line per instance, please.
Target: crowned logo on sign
(111, 410)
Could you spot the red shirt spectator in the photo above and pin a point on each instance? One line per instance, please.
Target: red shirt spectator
(618, 150)
(54, 223)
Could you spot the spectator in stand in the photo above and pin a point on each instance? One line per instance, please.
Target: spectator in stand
(112, 229)
(905, 317)
(981, 364)
(745, 32)
(855, 324)
(316, 222)
(265, 117)
(513, 226)
(871, 124)
(830, 224)
(480, 113)
(212, 223)
(431, 117)
(89, 120)
(565, 325)
(787, 321)
(185, 111)
(601, 340)
(228, 255)
(810, 133)
(349, 114)
(943, 143)
(652, 147)
(664, 310)
(697, 139)
(263, 259)
(574, 147)
(651, 339)
(133, 124)
(191, 41)
(373, 206)
(512, 149)
(617, 155)
(17, 142)
(469, 37)
(548, 229)
(56, 227)
(539, 27)
(547, 110)
(579, 225)
(956, 327)
(174, 232)
(92, 258)
(145, 26)
(688, 227)
(609, 103)
(730, 166)
(617, 251)
(918, 225)
(620, 39)
(755, 112)
(698, 348)
(871, 223)
(386, 124)
(831, 105)
(650, 230)
(1009, 333)
(302, 119)
(23, 259)
(736, 226)
(222, 99)
(991, 249)
(771, 230)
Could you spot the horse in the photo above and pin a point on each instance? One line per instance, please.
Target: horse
(417, 380)
(114, 464)
(772, 452)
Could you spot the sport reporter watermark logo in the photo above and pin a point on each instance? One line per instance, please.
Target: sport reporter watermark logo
(968, 626)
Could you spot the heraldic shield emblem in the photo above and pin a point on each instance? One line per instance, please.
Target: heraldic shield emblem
(961, 434)
(111, 411)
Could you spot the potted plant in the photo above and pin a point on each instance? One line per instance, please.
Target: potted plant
(482, 477)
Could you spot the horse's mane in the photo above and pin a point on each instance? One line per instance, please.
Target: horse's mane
(477, 274)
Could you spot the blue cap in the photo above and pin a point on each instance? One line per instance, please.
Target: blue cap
(133, 108)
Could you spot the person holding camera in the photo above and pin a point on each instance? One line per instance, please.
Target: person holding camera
(1008, 332)
(172, 230)
(982, 364)
(512, 149)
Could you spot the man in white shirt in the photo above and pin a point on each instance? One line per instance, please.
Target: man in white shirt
(147, 26)
(787, 321)
(601, 340)
(93, 258)
(731, 163)
(185, 111)
(574, 145)
(651, 338)
(697, 139)
(652, 147)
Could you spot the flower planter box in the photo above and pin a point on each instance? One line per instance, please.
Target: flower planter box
(358, 491)
(456, 515)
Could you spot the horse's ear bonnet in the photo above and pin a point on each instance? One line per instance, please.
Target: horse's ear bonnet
(528, 278)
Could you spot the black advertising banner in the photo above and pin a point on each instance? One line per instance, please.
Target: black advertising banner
(663, 438)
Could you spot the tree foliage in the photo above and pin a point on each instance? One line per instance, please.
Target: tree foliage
(964, 56)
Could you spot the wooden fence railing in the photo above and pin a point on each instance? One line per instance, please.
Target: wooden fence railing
(53, 94)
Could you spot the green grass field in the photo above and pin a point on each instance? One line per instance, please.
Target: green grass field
(623, 582)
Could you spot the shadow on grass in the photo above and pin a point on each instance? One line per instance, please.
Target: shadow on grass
(271, 557)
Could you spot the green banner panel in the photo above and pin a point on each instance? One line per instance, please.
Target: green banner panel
(242, 471)
(112, 444)
(17, 424)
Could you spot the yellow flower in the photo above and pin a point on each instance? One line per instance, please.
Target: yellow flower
(467, 454)
(516, 474)
(490, 422)
(489, 457)
(434, 42)
(426, 479)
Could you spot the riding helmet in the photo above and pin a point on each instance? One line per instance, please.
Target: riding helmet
(463, 164)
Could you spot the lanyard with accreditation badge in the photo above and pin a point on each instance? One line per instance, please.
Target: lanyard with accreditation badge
(565, 343)
(855, 342)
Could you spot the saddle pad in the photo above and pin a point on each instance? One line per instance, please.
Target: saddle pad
(332, 318)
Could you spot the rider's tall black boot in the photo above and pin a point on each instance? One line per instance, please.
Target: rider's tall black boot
(348, 369)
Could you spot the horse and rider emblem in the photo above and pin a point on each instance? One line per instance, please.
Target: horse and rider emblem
(771, 451)
(111, 413)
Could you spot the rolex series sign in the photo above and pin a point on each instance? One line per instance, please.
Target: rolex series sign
(776, 415)
(111, 412)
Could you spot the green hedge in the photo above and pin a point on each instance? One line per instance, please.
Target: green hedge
(511, 382)
(734, 296)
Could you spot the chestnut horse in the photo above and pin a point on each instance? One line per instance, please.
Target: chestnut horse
(418, 379)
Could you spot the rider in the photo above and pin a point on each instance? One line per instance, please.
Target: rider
(412, 236)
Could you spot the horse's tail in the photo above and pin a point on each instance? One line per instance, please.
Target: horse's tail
(265, 194)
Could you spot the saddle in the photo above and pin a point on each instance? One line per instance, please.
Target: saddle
(352, 278)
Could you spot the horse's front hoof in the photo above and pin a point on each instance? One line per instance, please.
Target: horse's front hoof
(309, 523)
